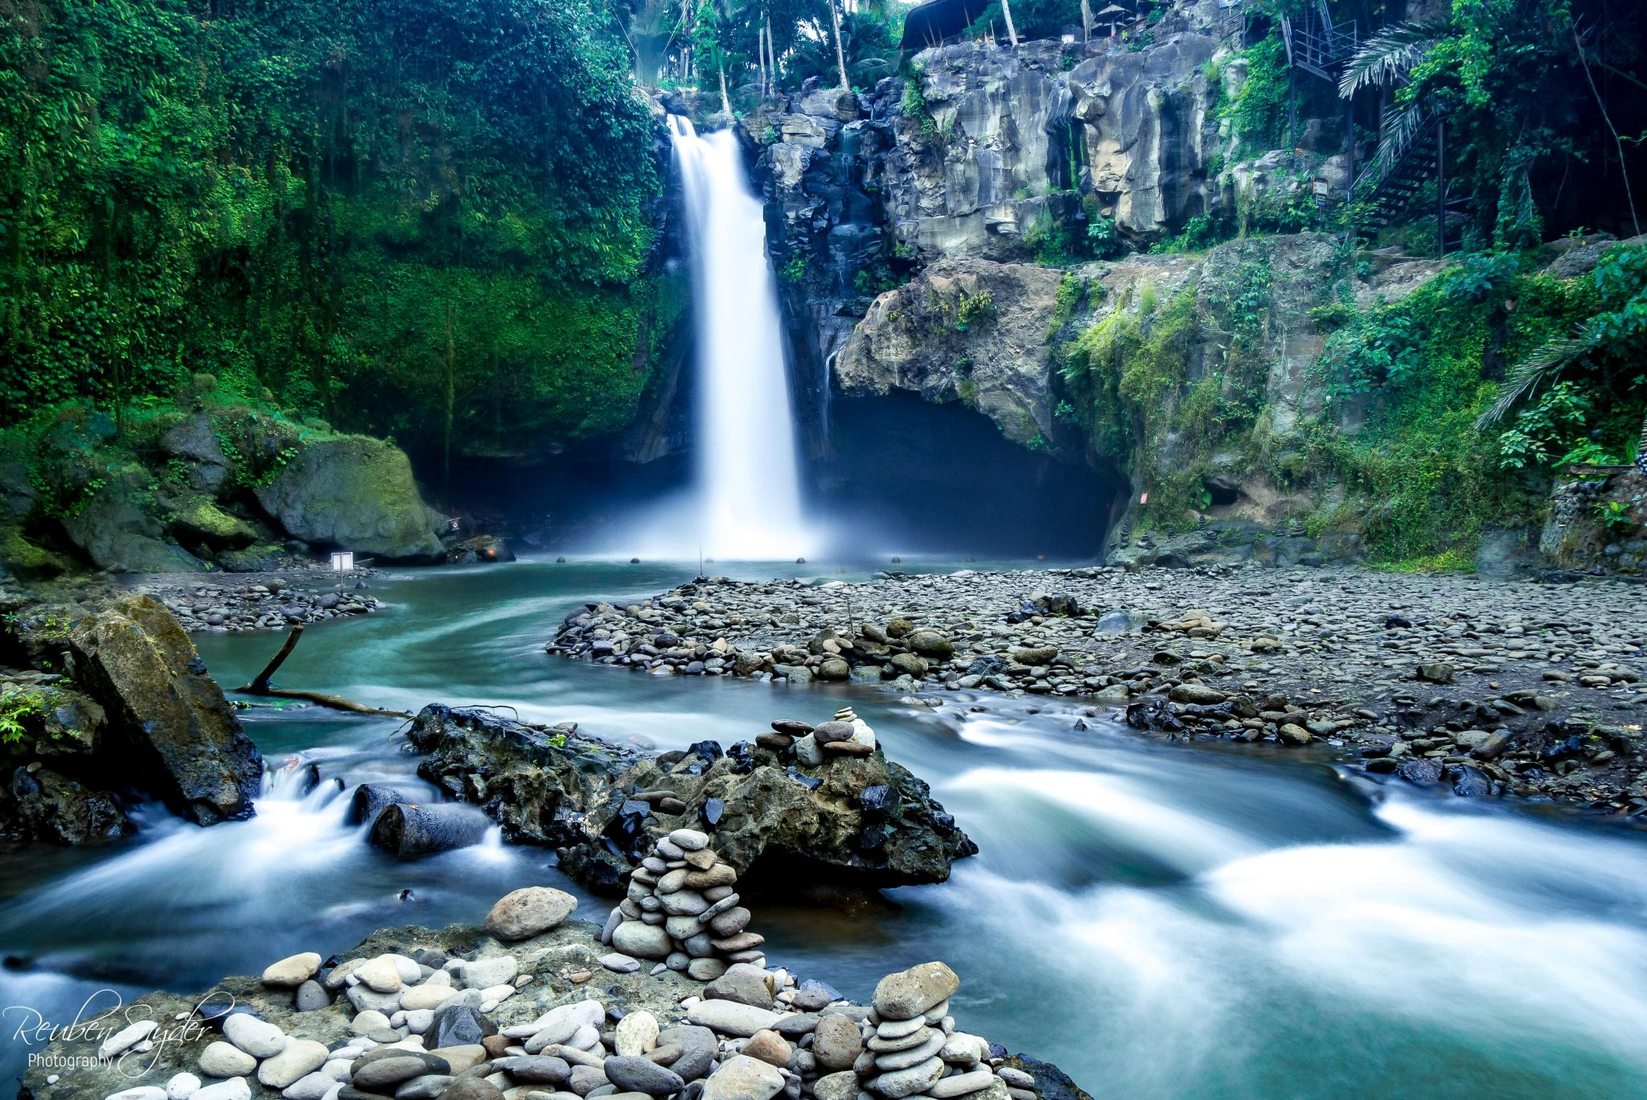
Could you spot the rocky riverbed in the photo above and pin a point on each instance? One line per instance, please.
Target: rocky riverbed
(265, 601)
(537, 1006)
(1489, 688)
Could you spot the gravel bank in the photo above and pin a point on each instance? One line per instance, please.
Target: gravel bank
(1489, 688)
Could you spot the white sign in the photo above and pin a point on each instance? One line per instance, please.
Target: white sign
(344, 561)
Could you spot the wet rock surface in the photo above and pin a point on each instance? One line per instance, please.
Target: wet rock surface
(168, 724)
(797, 803)
(1484, 688)
(112, 705)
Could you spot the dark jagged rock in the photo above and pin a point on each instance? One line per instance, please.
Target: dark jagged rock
(168, 722)
(1153, 713)
(456, 1025)
(537, 784)
(775, 827)
(53, 807)
(778, 818)
(1051, 1082)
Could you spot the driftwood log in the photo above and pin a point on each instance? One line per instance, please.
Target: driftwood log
(263, 687)
(409, 830)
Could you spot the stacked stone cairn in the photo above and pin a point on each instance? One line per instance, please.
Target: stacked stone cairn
(682, 911)
(847, 735)
(913, 1050)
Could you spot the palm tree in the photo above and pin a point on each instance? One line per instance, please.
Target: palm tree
(840, 49)
(1544, 366)
(1386, 60)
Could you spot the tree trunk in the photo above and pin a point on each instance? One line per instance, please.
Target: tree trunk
(726, 101)
(771, 57)
(1641, 455)
(1006, 13)
(451, 398)
(840, 49)
(1086, 21)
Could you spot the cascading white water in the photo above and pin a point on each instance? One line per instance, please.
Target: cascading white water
(748, 483)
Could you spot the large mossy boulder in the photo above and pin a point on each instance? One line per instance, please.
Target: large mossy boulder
(169, 725)
(353, 493)
(116, 531)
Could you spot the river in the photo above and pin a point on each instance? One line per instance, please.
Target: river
(1160, 920)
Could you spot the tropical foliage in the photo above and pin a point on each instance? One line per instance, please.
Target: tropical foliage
(391, 213)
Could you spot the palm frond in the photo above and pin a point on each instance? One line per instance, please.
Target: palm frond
(1532, 372)
(1400, 127)
(1389, 55)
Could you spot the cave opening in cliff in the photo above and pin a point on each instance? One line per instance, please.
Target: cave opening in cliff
(906, 474)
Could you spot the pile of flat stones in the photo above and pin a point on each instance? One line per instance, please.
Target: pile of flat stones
(1490, 687)
(846, 735)
(262, 602)
(423, 1028)
(913, 1050)
(682, 911)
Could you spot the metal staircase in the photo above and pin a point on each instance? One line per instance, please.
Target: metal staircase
(1317, 45)
(1390, 183)
(1232, 22)
(1395, 178)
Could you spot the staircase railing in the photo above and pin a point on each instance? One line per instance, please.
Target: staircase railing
(1318, 46)
(1393, 155)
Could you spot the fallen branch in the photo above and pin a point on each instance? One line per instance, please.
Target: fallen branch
(261, 687)
(260, 684)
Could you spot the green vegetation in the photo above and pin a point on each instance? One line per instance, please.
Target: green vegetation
(1177, 390)
(386, 214)
(19, 709)
(913, 105)
(972, 309)
(1258, 113)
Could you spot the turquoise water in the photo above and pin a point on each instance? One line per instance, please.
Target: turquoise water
(1162, 921)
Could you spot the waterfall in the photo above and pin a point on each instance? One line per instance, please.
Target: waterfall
(748, 481)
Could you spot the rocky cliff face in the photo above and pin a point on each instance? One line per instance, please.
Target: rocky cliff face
(983, 152)
(995, 148)
(1163, 338)
(973, 331)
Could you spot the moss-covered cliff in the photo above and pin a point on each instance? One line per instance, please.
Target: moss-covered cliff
(1276, 397)
(430, 218)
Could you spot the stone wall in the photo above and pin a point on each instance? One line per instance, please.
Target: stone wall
(1598, 524)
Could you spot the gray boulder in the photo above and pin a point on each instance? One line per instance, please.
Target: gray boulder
(168, 722)
(354, 493)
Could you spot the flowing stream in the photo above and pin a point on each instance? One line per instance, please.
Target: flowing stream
(1161, 921)
(748, 483)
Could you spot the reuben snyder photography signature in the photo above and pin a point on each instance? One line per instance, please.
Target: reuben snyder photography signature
(106, 1031)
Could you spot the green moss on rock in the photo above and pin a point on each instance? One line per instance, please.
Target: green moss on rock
(356, 493)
